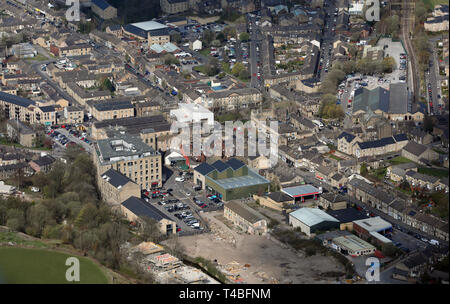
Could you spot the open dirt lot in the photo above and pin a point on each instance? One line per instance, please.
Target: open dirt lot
(268, 261)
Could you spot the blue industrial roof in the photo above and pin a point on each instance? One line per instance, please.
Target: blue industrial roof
(140, 208)
(17, 100)
(204, 168)
(235, 163)
(220, 165)
(102, 4)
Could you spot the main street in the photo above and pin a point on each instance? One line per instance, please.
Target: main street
(255, 41)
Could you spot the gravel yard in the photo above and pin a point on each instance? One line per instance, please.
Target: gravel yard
(258, 259)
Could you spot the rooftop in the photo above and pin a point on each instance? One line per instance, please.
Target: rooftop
(251, 179)
(140, 208)
(149, 25)
(312, 216)
(117, 179)
(299, 191)
(122, 146)
(373, 224)
(244, 212)
(353, 243)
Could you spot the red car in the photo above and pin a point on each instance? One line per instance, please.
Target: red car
(203, 206)
(178, 229)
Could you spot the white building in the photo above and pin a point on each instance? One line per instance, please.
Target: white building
(190, 113)
(195, 45)
(6, 189)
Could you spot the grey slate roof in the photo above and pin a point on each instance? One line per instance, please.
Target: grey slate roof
(244, 212)
(415, 148)
(17, 100)
(348, 137)
(116, 179)
(140, 208)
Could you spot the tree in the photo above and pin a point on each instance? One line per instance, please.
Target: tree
(105, 84)
(388, 64)
(244, 36)
(363, 169)
(170, 59)
(428, 123)
(237, 68)
(221, 37)
(216, 43)
(229, 31)
(208, 37)
(212, 68)
(149, 229)
(244, 75)
(175, 37)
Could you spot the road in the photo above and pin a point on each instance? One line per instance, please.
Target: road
(254, 56)
(37, 67)
(327, 41)
(407, 30)
(433, 78)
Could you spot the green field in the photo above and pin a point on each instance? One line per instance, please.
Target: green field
(399, 160)
(432, 3)
(434, 172)
(38, 266)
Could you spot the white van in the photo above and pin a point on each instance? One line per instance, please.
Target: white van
(434, 242)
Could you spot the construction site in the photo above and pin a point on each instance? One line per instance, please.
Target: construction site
(166, 268)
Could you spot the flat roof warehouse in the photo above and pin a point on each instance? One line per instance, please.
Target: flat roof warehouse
(301, 191)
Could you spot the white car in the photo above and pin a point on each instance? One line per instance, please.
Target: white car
(179, 179)
(188, 194)
(35, 189)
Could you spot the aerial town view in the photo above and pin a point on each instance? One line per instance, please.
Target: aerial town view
(224, 142)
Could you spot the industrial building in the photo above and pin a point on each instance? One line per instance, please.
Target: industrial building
(151, 31)
(373, 228)
(229, 180)
(134, 207)
(302, 192)
(245, 218)
(352, 245)
(310, 220)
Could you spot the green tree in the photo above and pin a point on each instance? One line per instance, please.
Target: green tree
(428, 124)
(221, 37)
(244, 36)
(171, 59)
(175, 37)
(363, 169)
(244, 75)
(212, 68)
(237, 68)
(229, 32)
(208, 36)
